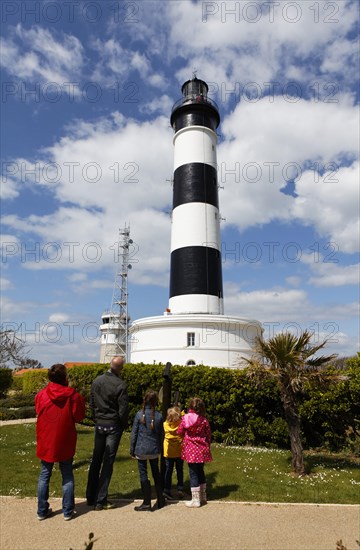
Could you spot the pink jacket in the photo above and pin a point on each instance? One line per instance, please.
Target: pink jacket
(197, 438)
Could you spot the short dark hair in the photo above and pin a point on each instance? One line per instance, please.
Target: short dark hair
(58, 374)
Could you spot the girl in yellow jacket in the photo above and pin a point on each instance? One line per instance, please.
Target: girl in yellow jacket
(172, 452)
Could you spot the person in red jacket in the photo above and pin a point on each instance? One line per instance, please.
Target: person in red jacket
(58, 407)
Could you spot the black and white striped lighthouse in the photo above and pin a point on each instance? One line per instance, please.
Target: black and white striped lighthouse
(194, 329)
(195, 267)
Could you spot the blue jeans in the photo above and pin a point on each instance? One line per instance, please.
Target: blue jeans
(68, 503)
(106, 445)
(169, 467)
(154, 465)
(197, 476)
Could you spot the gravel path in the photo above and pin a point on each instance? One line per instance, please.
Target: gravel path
(219, 525)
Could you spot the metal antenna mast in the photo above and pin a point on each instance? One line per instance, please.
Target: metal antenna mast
(117, 319)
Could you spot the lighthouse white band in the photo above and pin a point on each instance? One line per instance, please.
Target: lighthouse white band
(195, 144)
(196, 303)
(195, 224)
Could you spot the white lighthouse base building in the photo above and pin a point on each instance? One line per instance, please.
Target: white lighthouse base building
(193, 339)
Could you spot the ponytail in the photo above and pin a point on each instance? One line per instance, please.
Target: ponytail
(150, 399)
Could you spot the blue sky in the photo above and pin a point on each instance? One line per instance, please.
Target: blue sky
(87, 90)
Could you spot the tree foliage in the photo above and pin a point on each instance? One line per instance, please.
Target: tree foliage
(290, 361)
(13, 351)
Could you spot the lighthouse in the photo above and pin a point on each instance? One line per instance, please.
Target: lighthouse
(195, 268)
(194, 329)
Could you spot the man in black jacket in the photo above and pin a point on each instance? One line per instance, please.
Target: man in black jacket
(109, 405)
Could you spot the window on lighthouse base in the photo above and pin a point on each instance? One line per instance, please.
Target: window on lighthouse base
(191, 339)
(190, 363)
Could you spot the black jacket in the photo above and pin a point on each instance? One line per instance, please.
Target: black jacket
(109, 400)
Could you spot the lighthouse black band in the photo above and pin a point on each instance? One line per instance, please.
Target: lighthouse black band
(194, 115)
(195, 182)
(196, 270)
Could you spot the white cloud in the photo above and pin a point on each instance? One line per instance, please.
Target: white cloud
(120, 63)
(77, 277)
(109, 171)
(254, 43)
(283, 306)
(293, 280)
(39, 54)
(5, 284)
(265, 143)
(331, 205)
(58, 317)
(10, 309)
(341, 343)
(341, 56)
(6, 239)
(331, 273)
(162, 105)
(8, 188)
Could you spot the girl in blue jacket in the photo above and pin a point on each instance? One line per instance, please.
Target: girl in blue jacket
(146, 445)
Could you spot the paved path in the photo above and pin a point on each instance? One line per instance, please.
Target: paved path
(219, 525)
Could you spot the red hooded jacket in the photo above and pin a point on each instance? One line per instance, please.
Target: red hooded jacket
(57, 408)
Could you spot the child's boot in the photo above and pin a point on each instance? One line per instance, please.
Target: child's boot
(145, 506)
(195, 498)
(203, 499)
(160, 503)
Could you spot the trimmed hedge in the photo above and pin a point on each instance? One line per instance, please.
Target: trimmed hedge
(331, 416)
(34, 381)
(239, 411)
(5, 380)
(17, 400)
(15, 414)
(17, 383)
(81, 378)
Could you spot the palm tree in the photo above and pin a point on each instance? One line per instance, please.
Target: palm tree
(287, 358)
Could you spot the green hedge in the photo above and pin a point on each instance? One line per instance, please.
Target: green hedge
(34, 381)
(5, 380)
(239, 411)
(17, 400)
(331, 415)
(81, 378)
(15, 414)
(17, 383)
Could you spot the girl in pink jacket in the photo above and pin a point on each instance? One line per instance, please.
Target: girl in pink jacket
(196, 449)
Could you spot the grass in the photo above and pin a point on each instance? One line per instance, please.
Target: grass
(236, 473)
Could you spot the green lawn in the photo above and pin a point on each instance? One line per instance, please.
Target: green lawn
(236, 473)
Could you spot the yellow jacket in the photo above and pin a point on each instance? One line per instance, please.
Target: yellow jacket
(172, 441)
